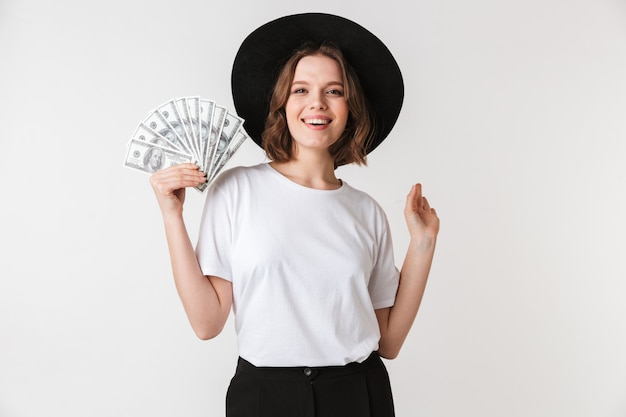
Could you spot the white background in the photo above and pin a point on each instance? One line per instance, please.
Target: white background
(514, 121)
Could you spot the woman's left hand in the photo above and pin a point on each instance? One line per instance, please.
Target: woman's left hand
(421, 219)
(396, 321)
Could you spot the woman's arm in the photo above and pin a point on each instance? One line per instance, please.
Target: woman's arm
(206, 300)
(395, 322)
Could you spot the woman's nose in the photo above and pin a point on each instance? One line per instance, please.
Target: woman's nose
(318, 101)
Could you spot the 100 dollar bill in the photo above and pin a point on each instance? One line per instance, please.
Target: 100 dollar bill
(148, 157)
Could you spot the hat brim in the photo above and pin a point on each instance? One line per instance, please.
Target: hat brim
(264, 51)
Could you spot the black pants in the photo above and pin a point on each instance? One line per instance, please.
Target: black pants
(354, 390)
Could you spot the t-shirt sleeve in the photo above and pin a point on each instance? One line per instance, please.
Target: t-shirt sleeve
(383, 284)
(213, 249)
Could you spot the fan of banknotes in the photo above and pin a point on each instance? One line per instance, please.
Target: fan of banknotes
(186, 129)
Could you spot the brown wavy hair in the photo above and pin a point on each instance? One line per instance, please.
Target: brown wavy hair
(351, 147)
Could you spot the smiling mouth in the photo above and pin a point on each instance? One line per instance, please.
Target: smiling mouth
(316, 122)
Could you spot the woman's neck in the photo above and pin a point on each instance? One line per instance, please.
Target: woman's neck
(318, 173)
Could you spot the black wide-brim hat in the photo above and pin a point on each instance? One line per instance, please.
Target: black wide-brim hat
(264, 52)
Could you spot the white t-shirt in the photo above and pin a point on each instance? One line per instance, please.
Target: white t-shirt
(308, 267)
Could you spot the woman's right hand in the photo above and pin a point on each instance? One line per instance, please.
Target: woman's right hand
(169, 186)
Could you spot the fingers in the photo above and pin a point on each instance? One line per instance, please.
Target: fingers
(421, 218)
(416, 202)
(416, 190)
(176, 177)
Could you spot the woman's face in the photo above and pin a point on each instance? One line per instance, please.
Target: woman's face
(317, 111)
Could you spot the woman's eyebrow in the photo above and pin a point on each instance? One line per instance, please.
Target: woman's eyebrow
(339, 83)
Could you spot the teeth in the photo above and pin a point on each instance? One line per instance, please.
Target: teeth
(317, 121)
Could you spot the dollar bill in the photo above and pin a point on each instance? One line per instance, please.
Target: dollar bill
(148, 157)
(172, 114)
(185, 116)
(217, 123)
(207, 108)
(145, 133)
(229, 128)
(193, 106)
(158, 122)
(239, 138)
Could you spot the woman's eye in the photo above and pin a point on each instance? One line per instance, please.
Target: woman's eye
(298, 91)
(335, 92)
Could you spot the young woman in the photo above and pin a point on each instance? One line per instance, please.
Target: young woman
(304, 260)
